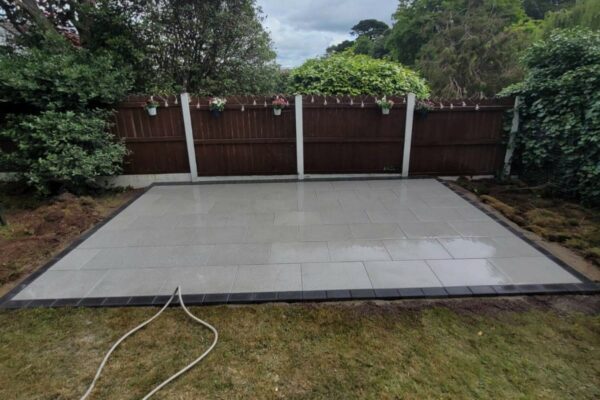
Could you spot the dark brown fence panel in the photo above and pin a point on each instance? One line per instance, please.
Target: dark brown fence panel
(349, 138)
(248, 142)
(459, 141)
(156, 144)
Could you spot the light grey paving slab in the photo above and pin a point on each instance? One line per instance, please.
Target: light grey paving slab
(298, 218)
(247, 253)
(358, 250)
(209, 279)
(480, 228)
(165, 237)
(323, 233)
(150, 257)
(341, 216)
(433, 214)
(76, 259)
(377, 231)
(299, 252)
(485, 247)
(416, 249)
(401, 274)
(333, 276)
(422, 230)
(471, 213)
(467, 272)
(132, 282)
(533, 270)
(387, 216)
(268, 278)
(272, 233)
(62, 284)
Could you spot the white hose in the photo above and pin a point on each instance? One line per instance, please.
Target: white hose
(143, 324)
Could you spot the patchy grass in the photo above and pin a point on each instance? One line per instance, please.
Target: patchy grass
(574, 226)
(40, 228)
(543, 348)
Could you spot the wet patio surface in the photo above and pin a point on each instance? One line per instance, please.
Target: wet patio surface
(294, 240)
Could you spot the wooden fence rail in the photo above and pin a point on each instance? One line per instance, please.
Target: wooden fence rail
(340, 135)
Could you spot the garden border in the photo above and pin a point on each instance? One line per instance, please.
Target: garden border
(586, 287)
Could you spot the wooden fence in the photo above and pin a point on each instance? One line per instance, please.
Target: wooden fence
(341, 135)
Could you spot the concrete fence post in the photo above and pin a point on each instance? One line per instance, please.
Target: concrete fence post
(408, 129)
(189, 135)
(510, 146)
(299, 137)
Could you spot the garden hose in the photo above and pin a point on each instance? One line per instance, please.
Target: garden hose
(143, 324)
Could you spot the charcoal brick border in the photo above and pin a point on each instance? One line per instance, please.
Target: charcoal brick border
(586, 287)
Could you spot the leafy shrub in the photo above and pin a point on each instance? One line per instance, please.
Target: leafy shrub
(59, 96)
(559, 136)
(354, 75)
(61, 150)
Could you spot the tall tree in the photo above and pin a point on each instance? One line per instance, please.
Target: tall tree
(464, 48)
(209, 46)
(371, 28)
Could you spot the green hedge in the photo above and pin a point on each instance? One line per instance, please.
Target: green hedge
(355, 75)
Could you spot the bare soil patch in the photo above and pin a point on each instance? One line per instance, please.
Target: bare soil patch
(39, 229)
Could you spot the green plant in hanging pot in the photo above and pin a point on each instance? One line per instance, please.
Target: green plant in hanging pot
(151, 107)
(279, 103)
(385, 105)
(216, 106)
(423, 107)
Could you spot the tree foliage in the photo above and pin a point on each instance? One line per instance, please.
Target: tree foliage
(464, 48)
(353, 75)
(60, 95)
(205, 47)
(585, 13)
(559, 137)
(370, 28)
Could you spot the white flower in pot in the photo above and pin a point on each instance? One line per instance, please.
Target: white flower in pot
(279, 103)
(151, 108)
(385, 105)
(216, 105)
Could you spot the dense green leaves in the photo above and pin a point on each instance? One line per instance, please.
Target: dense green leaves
(354, 75)
(58, 76)
(559, 137)
(59, 132)
(61, 150)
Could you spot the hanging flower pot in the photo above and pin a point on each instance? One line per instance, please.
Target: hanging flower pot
(279, 103)
(385, 105)
(422, 108)
(151, 108)
(216, 106)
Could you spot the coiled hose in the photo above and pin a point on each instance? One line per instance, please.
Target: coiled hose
(143, 324)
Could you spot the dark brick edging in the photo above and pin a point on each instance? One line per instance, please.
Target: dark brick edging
(588, 288)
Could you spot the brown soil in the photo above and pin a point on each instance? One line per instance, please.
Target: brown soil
(38, 231)
(566, 225)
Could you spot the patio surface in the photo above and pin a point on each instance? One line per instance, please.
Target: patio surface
(239, 240)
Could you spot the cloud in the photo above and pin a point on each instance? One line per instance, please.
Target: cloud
(303, 29)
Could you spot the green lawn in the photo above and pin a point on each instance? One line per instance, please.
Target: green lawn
(542, 348)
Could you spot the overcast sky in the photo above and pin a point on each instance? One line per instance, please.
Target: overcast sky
(303, 29)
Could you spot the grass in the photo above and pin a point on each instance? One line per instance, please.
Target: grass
(40, 228)
(570, 224)
(525, 348)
